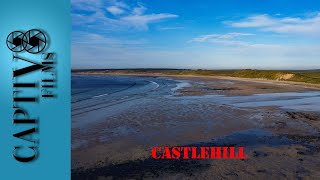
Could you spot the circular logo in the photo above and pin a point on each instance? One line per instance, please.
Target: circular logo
(34, 41)
(15, 41)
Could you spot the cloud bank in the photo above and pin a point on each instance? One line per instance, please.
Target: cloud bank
(287, 25)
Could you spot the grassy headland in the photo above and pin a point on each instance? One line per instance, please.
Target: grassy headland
(306, 76)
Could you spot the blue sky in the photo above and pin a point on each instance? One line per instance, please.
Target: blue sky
(206, 34)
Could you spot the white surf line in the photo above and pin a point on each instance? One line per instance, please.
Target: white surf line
(100, 95)
(181, 85)
(157, 85)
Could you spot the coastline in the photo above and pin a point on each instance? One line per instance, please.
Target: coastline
(273, 127)
(259, 80)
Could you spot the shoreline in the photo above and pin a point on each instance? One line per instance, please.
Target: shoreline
(256, 80)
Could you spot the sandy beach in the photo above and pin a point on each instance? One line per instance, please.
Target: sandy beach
(114, 129)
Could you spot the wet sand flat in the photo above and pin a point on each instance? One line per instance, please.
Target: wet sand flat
(115, 125)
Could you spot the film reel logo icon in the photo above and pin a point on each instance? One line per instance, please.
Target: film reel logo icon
(33, 41)
(15, 41)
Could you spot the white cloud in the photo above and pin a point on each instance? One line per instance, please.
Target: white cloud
(119, 4)
(142, 21)
(92, 40)
(226, 39)
(126, 17)
(255, 21)
(170, 28)
(288, 25)
(115, 10)
(139, 10)
(88, 5)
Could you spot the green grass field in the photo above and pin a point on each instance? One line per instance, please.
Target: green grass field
(296, 76)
